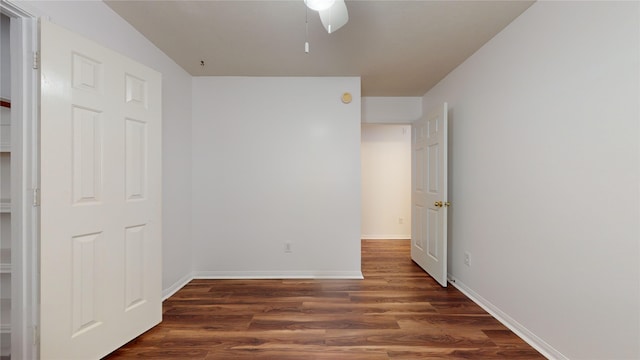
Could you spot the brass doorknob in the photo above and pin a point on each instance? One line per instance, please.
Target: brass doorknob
(438, 204)
(447, 204)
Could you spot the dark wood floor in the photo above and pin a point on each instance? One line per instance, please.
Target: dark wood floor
(396, 312)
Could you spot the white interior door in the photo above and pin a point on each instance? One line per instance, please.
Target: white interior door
(429, 194)
(100, 255)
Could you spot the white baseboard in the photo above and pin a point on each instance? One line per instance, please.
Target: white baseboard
(278, 275)
(386, 237)
(532, 339)
(166, 293)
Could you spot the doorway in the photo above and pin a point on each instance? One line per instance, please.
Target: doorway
(5, 189)
(386, 181)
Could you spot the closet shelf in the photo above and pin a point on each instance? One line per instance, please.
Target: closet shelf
(5, 135)
(5, 315)
(5, 261)
(5, 206)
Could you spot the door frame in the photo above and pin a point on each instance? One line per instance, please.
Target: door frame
(25, 78)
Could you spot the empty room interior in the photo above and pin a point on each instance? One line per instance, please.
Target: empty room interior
(322, 179)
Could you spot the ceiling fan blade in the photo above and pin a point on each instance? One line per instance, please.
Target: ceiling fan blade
(334, 17)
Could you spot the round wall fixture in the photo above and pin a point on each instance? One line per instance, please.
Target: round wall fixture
(346, 98)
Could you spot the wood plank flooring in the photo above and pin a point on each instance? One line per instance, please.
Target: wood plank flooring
(396, 312)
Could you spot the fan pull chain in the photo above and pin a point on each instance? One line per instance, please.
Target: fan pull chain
(306, 35)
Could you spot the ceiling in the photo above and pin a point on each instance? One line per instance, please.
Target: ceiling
(399, 48)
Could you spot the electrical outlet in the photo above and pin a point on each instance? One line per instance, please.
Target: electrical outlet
(287, 247)
(467, 258)
(400, 220)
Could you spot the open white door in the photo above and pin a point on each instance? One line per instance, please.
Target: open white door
(100, 250)
(429, 201)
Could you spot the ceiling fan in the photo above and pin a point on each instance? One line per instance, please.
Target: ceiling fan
(333, 13)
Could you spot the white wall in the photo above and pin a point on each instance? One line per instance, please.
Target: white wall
(276, 160)
(391, 110)
(98, 22)
(386, 181)
(544, 182)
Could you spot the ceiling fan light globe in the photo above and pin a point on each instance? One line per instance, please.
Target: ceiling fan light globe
(319, 5)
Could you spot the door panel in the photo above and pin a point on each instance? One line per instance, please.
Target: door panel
(100, 203)
(429, 194)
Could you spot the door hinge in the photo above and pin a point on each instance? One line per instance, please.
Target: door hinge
(36, 336)
(36, 60)
(36, 197)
